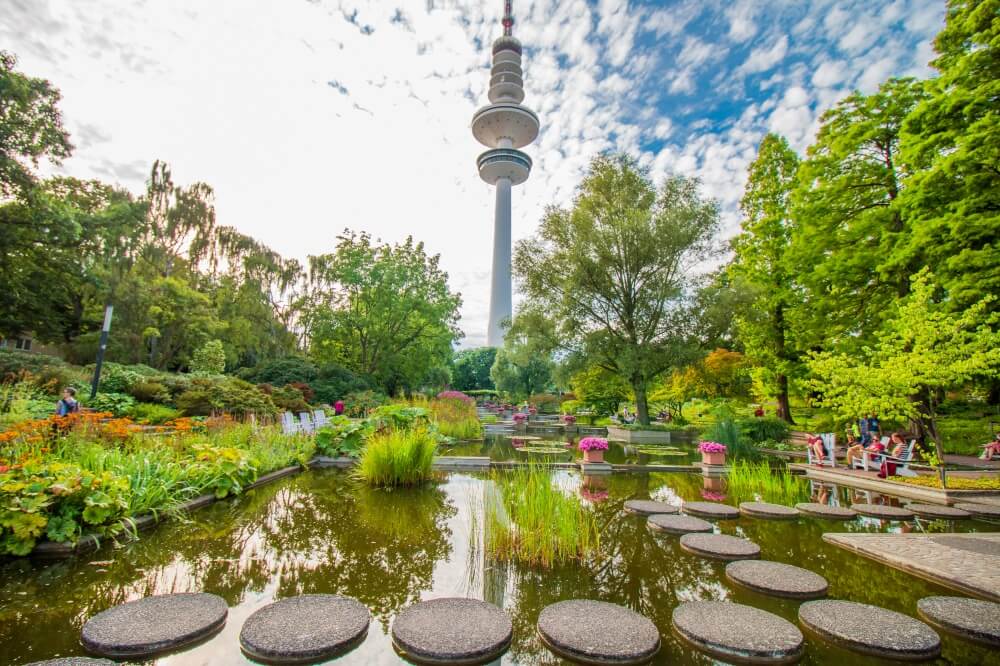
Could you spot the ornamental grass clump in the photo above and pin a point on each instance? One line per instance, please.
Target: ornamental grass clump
(397, 457)
(530, 519)
(455, 415)
(749, 481)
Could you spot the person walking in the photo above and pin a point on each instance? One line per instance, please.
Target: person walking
(68, 403)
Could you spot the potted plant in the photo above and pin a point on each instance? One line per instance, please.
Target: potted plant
(520, 421)
(593, 449)
(712, 453)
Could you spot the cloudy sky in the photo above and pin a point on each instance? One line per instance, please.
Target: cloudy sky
(309, 116)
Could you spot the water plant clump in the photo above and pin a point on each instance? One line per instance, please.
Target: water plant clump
(454, 413)
(757, 481)
(398, 457)
(527, 518)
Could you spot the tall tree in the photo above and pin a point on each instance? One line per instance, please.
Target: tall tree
(472, 369)
(760, 260)
(851, 244)
(30, 127)
(953, 136)
(615, 271)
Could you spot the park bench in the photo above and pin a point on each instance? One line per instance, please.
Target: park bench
(829, 450)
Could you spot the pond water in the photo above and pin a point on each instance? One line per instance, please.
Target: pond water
(320, 532)
(682, 449)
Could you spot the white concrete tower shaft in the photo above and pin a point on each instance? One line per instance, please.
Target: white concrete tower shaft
(504, 126)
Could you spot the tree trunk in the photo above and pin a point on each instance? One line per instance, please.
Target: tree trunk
(784, 408)
(641, 406)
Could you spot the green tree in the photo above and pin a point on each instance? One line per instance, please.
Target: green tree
(851, 246)
(615, 272)
(210, 358)
(953, 136)
(760, 260)
(921, 352)
(381, 310)
(472, 369)
(30, 127)
(519, 373)
(600, 390)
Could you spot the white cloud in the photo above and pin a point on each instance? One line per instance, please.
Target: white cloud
(766, 57)
(830, 73)
(741, 21)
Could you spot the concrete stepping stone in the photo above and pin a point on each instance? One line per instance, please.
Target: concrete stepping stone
(972, 619)
(938, 511)
(777, 579)
(678, 524)
(883, 511)
(307, 628)
(452, 631)
(817, 510)
(711, 510)
(649, 507)
(74, 661)
(738, 633)
(596, 632)
(768, 510)
(979, 510)
(154, 625)
(720, 546)
(870, 629)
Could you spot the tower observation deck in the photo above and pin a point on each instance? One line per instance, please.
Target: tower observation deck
(504, 126)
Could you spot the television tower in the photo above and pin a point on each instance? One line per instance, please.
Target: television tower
(504, 126)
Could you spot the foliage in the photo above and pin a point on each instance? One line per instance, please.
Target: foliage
(519, 372)
(472, 369)
(146, 390)
(289, 399)
(343, 437)
(727, 432)
(397, 457)
(545, 403)
(209, 359)
(281, 371)
(600, 390)
(527, 518)
(335, 382)
(21, 401)
(151, 414)
(381, 310)
(613, 275)
(230, 395)
(118, 404)
(760, 429)
(360, 403)
(656, 427)
(399, 416)
(758, 482)
(954, 482)
(455, 417)
(118, 378)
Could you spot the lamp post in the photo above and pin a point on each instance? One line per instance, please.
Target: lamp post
(102, 345)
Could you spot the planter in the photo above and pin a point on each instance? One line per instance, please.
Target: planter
(713, 484)
(593, 456)
(638, 436)
(713, 458)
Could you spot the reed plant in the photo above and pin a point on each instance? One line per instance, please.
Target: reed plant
(456, 417)
(397, 457)
(528, 519)
(757, 481)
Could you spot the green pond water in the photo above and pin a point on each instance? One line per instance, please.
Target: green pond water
(320, 532)
(681, 451)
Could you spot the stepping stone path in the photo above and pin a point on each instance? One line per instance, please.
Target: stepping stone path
(153, 625)
(720, 546)
(938, 511)
(826, 511)
(311, 627)
(711, 510)
(596, 632)
(883, 511)
(979, 510)
(973, 619)
(768, 510)
(870, 629)
(74, 661)
(649, 507)
(452, 631)
(734, 632)
(678, 524)
(777, 579)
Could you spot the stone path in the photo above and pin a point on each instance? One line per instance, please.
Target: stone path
(678, 524)
(735, 632)
(713, 510)
(980, 510)
(966, 562)
(720, 546)
(649, 507)
(452, 631)
(938, 511)
(596, 632)
(310, 627)
(870, 629)
(778, 579)
(826, 511)
(883, 511)
(73, 661)
(768, 510)
(971, 619)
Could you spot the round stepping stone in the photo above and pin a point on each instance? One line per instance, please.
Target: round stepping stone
(775, 578)
(979, 510)
(154, 625)
(452, 631)
(711, 510)
(768, 510)
(883, 511)
(734, 632)
(973, 619)
(938, 511)
(817, 510)
(73, 661)
(720, 546)
(311, 627)
(596, 632)
(870, 629)
(649, 507)
(678, 524)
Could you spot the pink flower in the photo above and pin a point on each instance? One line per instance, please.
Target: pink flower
(713, 496)
(711, 447)
(455, 395)
(594, 495)
(520, 418)
(593, 444)
(569, 419)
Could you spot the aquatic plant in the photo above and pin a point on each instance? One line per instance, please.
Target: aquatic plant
(527, 518)
(749, 481)
(593, 444)
(726, 431)
(397, 457)
(455, 416)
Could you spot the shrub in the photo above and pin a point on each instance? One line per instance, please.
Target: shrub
(397, 457)
(151, 414)
(289, 398)
(281, 371)
(546, 403)
(757, 430)
(148, 390)
(343, 437)
(360, 403)
(13, 363)
(117, 378)
(230, 395)
(334, 382)
(308, 394)
(209, 359)
(725, 431)
(118, 404)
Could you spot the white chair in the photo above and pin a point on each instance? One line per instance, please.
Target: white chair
(306, 423)
(319, 418)
(289, 425)
(829, 450)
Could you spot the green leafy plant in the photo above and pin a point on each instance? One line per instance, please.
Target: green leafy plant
(759, 429)
(150, 414)
(343, 437)
(209, 359)
(119, 404)
(750, 481)
(396, 457)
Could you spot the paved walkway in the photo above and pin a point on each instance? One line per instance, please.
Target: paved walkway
(966, 562)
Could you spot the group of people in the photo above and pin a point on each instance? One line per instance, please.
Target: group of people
(863, 438)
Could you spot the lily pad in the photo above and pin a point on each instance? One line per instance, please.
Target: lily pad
(543, 450)
(660, 451)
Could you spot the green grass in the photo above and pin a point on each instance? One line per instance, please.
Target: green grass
(750, 481)
(468, 428)
(398, 458)
(528, 519)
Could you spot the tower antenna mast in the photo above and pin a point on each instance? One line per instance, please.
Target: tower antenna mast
(508, 19)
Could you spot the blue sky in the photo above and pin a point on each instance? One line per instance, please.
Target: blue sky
(309, 116)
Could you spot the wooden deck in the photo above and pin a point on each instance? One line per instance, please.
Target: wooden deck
(863, 480)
